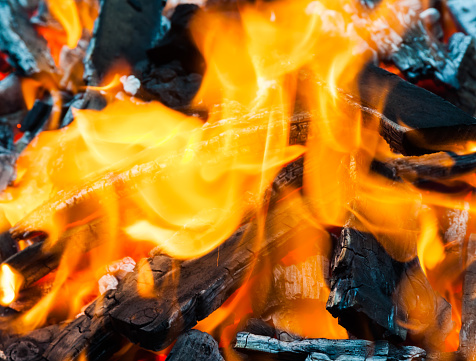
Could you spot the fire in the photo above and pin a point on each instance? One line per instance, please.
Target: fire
(10, 282)
(151, 176)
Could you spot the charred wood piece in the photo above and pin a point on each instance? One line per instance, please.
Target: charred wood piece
(323, 349)
(375, 296)
(28, 51)
(138, 29)
(414, 121)
(185, 295)
(8, 246)
(8, 156)
(195, 345)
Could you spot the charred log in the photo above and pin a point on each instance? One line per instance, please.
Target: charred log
(185, 295)
(376, 297)
(323, 349)
(27, 50)
(31, 346)
(413, 120)
(8, 246)
(195, 345)
(138, 23)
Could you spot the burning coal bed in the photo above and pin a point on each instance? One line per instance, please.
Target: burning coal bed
(237, 180)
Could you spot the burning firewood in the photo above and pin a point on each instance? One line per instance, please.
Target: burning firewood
(195, 345)
(323, 349)
(374, 296)
(18, 38)
(182, 296)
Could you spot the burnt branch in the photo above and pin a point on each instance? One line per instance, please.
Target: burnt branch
(195, 345)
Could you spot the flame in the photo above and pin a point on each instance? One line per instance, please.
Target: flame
(66, 12)
(151, 176)
(10, 283)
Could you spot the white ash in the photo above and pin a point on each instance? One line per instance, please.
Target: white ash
(121, 268)
(2, 355)
(131, 84)
(106, 283)
(456, 232)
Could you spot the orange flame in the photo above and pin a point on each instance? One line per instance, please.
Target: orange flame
(66, 12)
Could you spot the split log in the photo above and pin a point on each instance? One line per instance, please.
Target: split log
(137, 21)
(27, 50)
(377, 297)
(195, 345)
(323, 349)
(183, 296)
(467, 334)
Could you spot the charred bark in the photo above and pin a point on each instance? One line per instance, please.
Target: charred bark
(181, 295)
(376, 297)
(323, 349)
(11, 95)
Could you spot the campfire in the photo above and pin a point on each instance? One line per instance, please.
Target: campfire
(237, 180)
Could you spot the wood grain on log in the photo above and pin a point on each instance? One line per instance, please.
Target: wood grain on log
(195, 345)
(323, 349)
(467, 336)
(377, 297)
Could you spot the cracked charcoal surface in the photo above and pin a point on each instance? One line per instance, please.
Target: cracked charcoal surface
(375, 296)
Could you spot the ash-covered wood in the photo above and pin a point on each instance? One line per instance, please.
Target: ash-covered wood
(27, 51)
(414, 121)
(377, 297)
(464, 13)
(467, 336)
(323, 349)
(8, 156)
(195, 345)
(124, 31)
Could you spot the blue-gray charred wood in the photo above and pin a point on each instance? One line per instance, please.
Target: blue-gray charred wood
(195, 345)
(374, 296)
(8, 156)
(464, 13)
(124, 31)
(28, 52)
(323, 349)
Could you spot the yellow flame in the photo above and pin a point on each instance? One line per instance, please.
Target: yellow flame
(66, 12)
(10, 283)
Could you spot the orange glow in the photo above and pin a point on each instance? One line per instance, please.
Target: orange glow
(145, 280)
